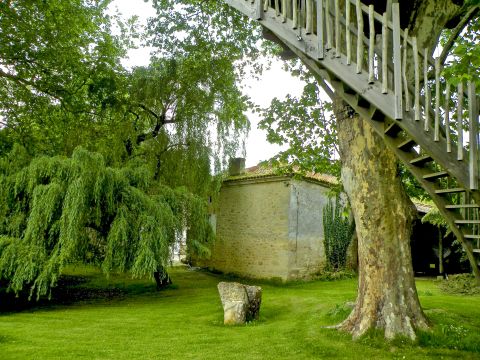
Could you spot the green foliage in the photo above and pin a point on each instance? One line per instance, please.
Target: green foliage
(339, 274)
(306, 124)
(462, 284)
(60, 69)
(62, 210)
(436, 219)
(145, 139)
(338, 231)
(463, 62)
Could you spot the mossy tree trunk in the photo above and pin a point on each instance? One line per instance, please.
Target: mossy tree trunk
(387, 297)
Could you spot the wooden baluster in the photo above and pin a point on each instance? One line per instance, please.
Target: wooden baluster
(427, 90)
(320, 22)
(460, 122)
(348, 34)
(295, 14)
(417, 78)
(284, 10)
(397, 60)
(309, 20)
(371, 45)
(258, 10)
(447, 118)
(436, 136)
(473, 135)
(360, 36)
(404, 70)
(277, 7)
(301, 16)
(266, 3)
(328, 23)
(385, 53)
(338, 35)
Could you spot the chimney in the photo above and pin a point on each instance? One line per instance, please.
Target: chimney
(236, 166)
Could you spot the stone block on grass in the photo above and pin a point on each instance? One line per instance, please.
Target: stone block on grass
(241, 303)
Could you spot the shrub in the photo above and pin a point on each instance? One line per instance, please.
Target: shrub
(338, 232)
(464, 284)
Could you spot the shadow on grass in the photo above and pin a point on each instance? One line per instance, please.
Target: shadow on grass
(74, 289)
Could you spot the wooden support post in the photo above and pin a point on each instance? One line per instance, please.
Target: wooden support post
(360, 36)
(301, 15)
(404, 70)
(460, 122)
(295, 14)
(328, 23)
(397, 60)
(427, 90)
(384, 53)
(320, 22)
(417, 78)
(338, 35)
(436, 136)
(348, 34)
(309, 10)
(447, 117)
(371, 45)
(473, 135)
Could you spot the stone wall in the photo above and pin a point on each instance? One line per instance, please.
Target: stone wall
(252, 229)
(307, 200)
(269, 228)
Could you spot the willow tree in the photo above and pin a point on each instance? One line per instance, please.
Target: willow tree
(60, 211)
(114, 163)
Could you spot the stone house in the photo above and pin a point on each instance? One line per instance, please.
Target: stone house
(269, 225)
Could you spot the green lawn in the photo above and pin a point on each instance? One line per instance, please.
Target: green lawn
(127, 319)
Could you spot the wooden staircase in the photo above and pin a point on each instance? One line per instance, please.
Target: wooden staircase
(382, 77)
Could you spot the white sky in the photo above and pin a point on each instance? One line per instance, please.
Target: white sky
(273, 83)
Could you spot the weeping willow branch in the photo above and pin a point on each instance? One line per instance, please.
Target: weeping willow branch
(59, 211)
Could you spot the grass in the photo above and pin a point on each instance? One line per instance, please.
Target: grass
(128, 319)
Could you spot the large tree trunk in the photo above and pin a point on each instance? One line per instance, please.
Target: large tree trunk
(387, 297)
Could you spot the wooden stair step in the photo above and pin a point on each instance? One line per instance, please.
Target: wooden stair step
(467, 222)
(362, 102)
(348, 90)
(393, 129)
(421, 160)
(470, 236)
(463, 206)
(407, 145)
(435, 175)
(449, 191)
(378, 115)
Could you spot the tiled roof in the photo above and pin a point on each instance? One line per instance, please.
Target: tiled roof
(260, 171)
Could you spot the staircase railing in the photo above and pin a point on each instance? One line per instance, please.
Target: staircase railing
(370, 60)
(375, 44)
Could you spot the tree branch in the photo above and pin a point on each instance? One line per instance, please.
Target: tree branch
(457, 31)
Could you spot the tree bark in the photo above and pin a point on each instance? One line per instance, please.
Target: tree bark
(162, 279)
(387, 296)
